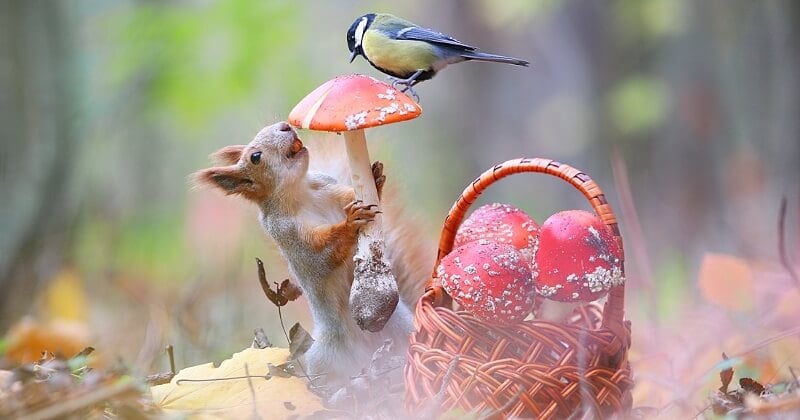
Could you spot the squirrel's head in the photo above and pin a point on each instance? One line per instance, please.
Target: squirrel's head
(274, 159)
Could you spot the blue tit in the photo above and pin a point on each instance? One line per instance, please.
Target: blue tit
(407, 52)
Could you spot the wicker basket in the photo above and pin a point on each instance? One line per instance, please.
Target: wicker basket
(533, 369)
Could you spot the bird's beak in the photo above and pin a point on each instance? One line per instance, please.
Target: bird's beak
(353, 54)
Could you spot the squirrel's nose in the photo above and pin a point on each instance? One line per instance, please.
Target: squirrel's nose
(282, 126)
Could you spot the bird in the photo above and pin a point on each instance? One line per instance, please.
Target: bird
(408, 53)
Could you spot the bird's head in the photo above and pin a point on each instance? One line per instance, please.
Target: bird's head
(356, 34)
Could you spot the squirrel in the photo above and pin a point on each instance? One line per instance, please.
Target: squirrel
(314, 219)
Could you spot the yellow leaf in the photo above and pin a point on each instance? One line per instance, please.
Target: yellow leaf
(271, 398)
(64, 297)
(726, 281)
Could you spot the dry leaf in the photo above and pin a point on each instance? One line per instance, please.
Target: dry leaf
(28, 339)
(299, 341)
(260, 340)
(234, 398)
(751, 385)
(726, 281)
(725, 376)
(289, 290)
(284, 292)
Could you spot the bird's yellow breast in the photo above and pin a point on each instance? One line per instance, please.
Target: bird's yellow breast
(397, 56)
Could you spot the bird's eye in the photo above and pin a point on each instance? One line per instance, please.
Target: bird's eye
(255, 158)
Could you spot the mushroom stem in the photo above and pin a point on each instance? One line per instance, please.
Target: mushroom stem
(361, 175)
(555, 311)
(374, 294)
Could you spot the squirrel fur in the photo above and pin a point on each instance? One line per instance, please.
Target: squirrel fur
(314, 219)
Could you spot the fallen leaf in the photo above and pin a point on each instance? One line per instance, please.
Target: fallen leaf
(299, 341)
(28, 339)
(726, 281)
(234, 397)
(260, 340)
(751, 385)
(725, 376)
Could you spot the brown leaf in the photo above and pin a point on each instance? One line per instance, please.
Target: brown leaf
(289, 290)
(273, 296)
(751, 385)
(726, 376)
(299, 341)
(279, 370)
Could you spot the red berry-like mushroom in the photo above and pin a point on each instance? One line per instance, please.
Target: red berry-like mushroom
(489, 279)
(503, 223)
(578, 261)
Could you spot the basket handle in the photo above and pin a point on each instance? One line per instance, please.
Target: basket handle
(613, 312)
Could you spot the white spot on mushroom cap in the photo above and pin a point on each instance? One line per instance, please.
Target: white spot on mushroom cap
(389, 95)
(354, 121)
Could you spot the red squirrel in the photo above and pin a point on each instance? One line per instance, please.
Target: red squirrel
(314, 220)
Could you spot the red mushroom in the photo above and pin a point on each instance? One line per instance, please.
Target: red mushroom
(578, 261)
(503, 223)
(350, 104)
(489, 279)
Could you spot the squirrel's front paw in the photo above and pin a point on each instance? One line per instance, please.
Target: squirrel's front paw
(377, 174)
(359, 213)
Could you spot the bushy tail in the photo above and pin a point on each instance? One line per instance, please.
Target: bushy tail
(479, 56)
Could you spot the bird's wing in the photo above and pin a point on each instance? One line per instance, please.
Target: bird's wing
(421, 34)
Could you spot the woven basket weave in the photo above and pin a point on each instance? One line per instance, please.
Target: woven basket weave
(533, 369)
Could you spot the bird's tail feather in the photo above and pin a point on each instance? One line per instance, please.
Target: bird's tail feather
(479, 56)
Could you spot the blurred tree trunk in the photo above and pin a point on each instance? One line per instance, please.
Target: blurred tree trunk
(37, 145)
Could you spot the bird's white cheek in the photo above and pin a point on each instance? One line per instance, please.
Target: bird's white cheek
(362, 26)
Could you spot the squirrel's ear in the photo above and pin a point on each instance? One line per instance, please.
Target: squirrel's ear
(229, 179)
(228, 155)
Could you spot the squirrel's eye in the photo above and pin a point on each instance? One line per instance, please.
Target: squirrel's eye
(255, 158)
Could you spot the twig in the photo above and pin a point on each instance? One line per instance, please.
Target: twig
(782, 244)
(162, 378)
(252, 391)
(64, 407)
(267, 377)
(430, 410)
(283, 327)
(796, 382)
(171, 355)
(637, 242)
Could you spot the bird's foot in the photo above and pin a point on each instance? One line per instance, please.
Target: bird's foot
(407, 86)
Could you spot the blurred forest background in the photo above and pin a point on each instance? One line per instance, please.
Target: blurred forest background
(686, 112)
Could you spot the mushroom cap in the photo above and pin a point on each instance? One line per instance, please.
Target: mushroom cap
(501, 223)
(353, 102)
(578, 259)
(489, 279)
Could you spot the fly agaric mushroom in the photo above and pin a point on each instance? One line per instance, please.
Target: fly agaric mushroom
(578, 261)
(350, 104)
(501, 223)
(489, 279)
